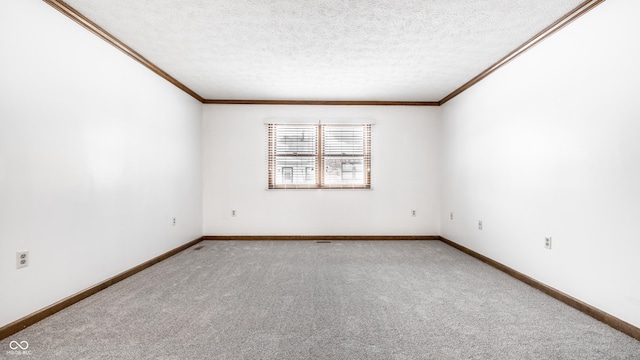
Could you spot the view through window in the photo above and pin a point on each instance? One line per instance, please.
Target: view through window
(319, 156)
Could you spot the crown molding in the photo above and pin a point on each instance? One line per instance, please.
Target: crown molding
(322, 102)
(549, 30)
(74, 15)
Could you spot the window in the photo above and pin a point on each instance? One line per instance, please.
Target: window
(319, 156)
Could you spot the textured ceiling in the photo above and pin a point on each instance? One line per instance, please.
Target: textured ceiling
(369, 50)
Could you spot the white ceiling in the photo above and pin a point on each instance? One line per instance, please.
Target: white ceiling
(353, 50)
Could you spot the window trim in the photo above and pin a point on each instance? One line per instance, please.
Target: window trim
(319, 156)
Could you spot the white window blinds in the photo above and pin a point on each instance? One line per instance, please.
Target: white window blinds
(319, 156)
(293, 156)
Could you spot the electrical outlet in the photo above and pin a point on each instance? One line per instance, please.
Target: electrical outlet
(413, 213)
(22, 259)
(547, 242)
(233, 213)
(451, 215)
(479, 224)
(173, 221)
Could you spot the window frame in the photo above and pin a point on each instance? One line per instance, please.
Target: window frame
(320, 157)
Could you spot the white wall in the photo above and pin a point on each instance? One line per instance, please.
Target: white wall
(549, 146)
(405, 175)
(97, 154)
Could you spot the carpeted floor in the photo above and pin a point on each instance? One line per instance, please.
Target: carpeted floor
(308, 300)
